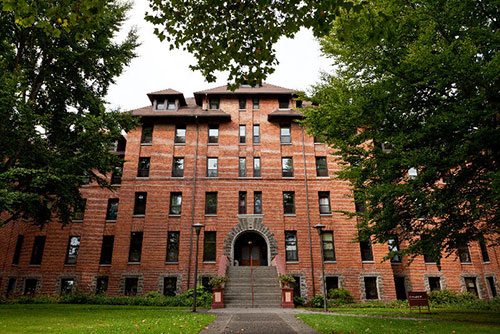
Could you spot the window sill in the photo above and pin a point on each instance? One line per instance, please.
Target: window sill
(368, 262)
(110, 220)
(318, 143)
(209, 262)
(256, 144)
(142, 177)
(288, 177)
(322, 177)
(179, 144)
(14, 265)
(292, 262)
(138, 216)
(256, 177)
(242, 144)
(35, 265)
(104, 265)
(213, 144)
(430, 263)
(116, 185)
(77, 221)
(133, 263)
(242, 109)
(486, 262)
(325, 214)
(211, 177)
(174, 215)
(466, 263)
(332, 262)
(289, 215)
(70, 265)
(286, 143)
(210, 215)
(146, 144)
(171, 262)
(177, 177)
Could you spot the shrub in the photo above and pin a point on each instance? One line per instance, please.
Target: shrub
(316, 301)
(340, 296)
(298, 301)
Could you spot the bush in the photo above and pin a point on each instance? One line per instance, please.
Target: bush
(298, 301)
(340, 296)
(445, 296)
(316, 301)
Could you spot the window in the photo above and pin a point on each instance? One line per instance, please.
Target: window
(371, 288)
(171, 104)
(116, 175)
(147, 134)
(257, 202)
(256, 167)
(328, 246)
(178, 167)
(287, 167)
(332, 282)
(324, 203)
(243, 134)
(470, 285)
(296, 286)
(412, 173)
(72, 252)
(19, 247)
(140, 203)
(204, 282)
(393, 245)
(79, 211)
(484, 250)
(173, 247)
(283, 102)
(143, 169)
(242, 167)
(242, 102)
(212, 167)
(463, 254)
(429, 258)
(209, 246)
(214, 103)
(255, 103)
(67, 285)
(491, 283)
(101, 285)
(242, 203)
(175, 203)
(213, 134)
(169, 286)
(256, 134)
(285, 134)
(107, 249)
(11, 286)
(321, 166)
(291, 246)
(112, 210)
(400, 287)
(160, 104)
(131, 284)
(366, 250)
(30, 286)
(289, 202)
(180, 134)
(298, 103)
(434, 283)
(134, 254)
(318, 140)
(37, 251)
(211, 203)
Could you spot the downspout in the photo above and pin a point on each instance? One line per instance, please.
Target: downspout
(308, 216)
(192, 204)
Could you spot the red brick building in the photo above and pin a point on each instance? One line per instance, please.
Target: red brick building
(238, 163)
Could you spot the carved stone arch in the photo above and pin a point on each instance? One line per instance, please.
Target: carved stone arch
(250, 223)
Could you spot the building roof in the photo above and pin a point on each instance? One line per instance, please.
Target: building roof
(168, 92)
(261, 89)
(190, 113)
(284, 114)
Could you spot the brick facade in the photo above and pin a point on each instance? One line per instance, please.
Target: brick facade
(227, 223)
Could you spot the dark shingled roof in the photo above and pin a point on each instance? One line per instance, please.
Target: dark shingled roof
(168, 92)
(284, 114)
(190, 113)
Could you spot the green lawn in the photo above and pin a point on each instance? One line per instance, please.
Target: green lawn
(67, 319)
(490, 317)
(350, 325)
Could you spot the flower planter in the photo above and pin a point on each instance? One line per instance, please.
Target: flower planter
(218, 298)
(287, 298)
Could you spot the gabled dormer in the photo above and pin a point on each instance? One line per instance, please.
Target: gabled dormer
(167, 100)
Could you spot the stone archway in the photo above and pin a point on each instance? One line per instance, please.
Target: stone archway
(250, 223)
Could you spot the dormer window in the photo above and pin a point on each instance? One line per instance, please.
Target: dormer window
(214, 103)
(160, 104)
(284, 102)
(171, 104)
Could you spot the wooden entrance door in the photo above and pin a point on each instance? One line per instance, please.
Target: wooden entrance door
(245, 255)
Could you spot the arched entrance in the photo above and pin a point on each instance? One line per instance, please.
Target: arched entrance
(250, 248)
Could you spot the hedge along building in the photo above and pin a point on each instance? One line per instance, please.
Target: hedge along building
(238, 163)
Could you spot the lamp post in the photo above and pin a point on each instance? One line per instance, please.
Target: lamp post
(319, 228)
(197, 227)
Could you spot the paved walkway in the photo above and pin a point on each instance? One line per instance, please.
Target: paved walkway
(256, 321)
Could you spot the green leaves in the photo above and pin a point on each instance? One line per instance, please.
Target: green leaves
(416, 77)
(57, 61)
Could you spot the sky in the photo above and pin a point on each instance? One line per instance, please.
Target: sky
(156, 67)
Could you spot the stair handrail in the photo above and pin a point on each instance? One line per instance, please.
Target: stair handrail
(223, 264)
(279, 264)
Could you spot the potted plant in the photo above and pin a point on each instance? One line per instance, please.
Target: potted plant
(216, 283)
(286, 281)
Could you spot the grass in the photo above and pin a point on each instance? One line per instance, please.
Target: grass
(97, 319)
(351, 325)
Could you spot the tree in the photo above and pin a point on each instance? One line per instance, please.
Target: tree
(417, 88)
(238, 35)
(57, 60)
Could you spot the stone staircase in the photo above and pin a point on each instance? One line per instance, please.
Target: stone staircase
(238, 288)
